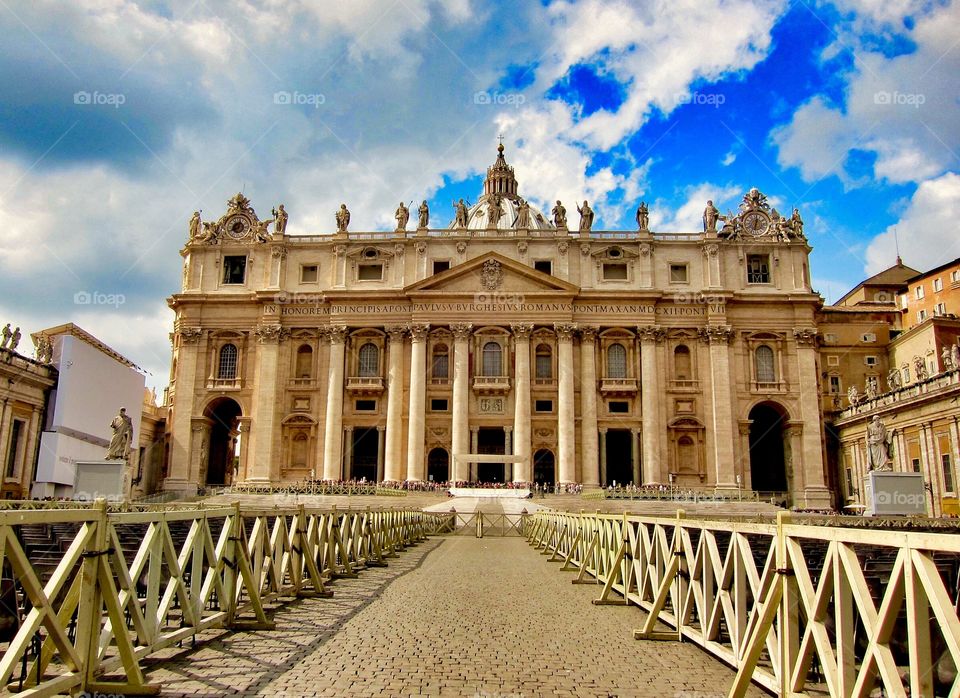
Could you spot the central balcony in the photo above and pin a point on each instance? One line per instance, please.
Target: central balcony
(365, 385)
(618, 386)
(491, 385)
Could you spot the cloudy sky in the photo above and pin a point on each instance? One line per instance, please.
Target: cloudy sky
(118, 119)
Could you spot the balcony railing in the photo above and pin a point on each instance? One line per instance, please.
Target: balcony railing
(365, 385)
(681, 384)
(303, 383)
(545, 382)
(622, 386)
(491, 385)
(768, 386)
(440, 381)
(223, 384)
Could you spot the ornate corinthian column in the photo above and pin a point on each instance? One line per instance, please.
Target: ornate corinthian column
(522, 472)
(460, 427)
(566, 447)
(333, 429)
(813, 480)
(719, 338)
(393, 470)
(588, 406)
(418, 395)
(653, 467)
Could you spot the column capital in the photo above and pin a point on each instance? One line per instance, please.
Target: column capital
(337, 334)
(272, 334)
(190, 335)
(461, 330)
(522, 330)
(745, 427)
(805, 336)
(716, 334)
(588, 333)
(396, 332)
(634, 430)
(381, 427)
(603, 430)
(418, 331)
(508, 429)
(565, 331)
(651, 333)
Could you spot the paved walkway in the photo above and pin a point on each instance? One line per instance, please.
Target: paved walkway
(456, 616)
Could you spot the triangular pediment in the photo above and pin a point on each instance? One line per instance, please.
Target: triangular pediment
(491, 273)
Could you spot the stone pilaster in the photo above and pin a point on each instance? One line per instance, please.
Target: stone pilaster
(333, 429)
(522, 472)
(566, 447)
(654, 471)
(635, 455)
(418, 393)
(265, 425)
(393, 470)
(460, 426)
(179, 478)
(590, 470)
(810, 461)
(718, 338)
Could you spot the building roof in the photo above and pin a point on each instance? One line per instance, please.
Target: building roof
(81, 334)
(897, 275)
(935, 270)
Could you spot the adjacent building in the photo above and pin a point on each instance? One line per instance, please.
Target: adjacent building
(507, 345)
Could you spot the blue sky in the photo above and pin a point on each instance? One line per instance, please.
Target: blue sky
(118, 119)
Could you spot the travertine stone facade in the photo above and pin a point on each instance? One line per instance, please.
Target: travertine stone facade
(590, 356)
(25, 385)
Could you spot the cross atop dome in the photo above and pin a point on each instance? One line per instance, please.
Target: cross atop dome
(500, 178)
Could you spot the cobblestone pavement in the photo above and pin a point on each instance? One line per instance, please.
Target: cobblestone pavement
(489, 618)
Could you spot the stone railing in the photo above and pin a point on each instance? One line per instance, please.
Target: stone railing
(920, 389)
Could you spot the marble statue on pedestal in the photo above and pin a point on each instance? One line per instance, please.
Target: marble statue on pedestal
(122, 427)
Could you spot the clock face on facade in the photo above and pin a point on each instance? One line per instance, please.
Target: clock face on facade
(756, 223)
(237, 226)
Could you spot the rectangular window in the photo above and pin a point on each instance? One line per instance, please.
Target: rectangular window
(947, 473)
(921, 315)
(916, 465)
(830, 338)
(308, 274)
(618, 406)
(955, 276)
(919, 292)
(16, 437)
(438, 405)
(615, 272)
(937, 285)
(870, 360)
(366, 405)
(543, 265)
(758, 269)
(441, 365)
(835, 384)
(234, 269)
(543, 405)
(440, 265)
(678, 273)
(370, 272)
(940, 309)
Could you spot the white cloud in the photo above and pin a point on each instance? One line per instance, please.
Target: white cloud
(897, 108)
(927, 230)
(688, 218)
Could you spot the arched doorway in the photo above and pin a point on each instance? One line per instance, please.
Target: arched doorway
(768, 471)
(438, 465)
(544, 467)
(224, 412)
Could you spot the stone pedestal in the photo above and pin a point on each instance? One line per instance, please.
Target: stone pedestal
(100, 478)
(894, 494)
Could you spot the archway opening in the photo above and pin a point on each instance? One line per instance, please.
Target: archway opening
(768, 472)
(619, 457)
(222, 451)
(365, 452)
(438, 465)
(544, 467)
(491, 441)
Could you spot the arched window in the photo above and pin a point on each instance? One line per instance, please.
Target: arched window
(298, 451)
(227, 366)
(492, 359)
(764, 360)
(441, 361)
(616, 361)
(681, 363)
(304, 361)
(369, 360)
(544, 365)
